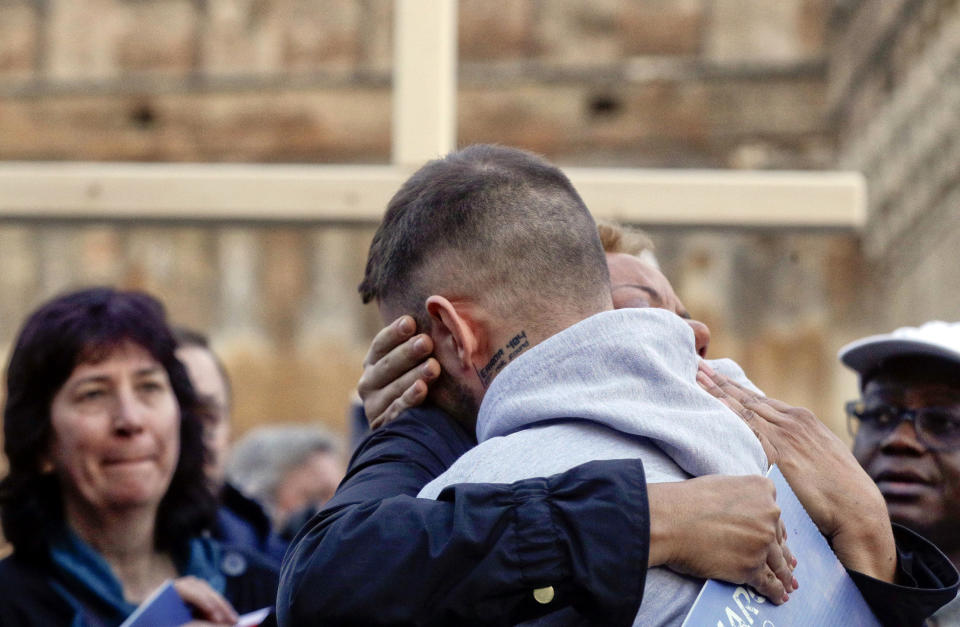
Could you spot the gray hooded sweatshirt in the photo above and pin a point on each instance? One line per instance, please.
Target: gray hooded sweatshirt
(620, 384)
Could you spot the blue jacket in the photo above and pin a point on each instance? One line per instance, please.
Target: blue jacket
(35, 592)
(376, 555)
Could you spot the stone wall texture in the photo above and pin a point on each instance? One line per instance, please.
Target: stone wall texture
(791, 84)
(895, 99)
(664, 82)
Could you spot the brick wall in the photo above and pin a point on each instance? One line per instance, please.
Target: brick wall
(280, 303)
(672, 83)
(894, 94)
(780, 304)
(665, 82)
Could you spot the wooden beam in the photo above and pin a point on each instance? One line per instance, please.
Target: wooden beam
(305, 193)
(424, 80)
(196, 192)
(724, 197)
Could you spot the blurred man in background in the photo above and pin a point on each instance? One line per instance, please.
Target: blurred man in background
(906, 428)
(292, 470)
(241, 521)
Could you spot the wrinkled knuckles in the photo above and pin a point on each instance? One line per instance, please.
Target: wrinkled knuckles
(725, 385)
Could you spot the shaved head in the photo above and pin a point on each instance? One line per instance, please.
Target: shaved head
(488, 224)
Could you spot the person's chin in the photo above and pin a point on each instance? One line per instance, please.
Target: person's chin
(134, 497)
(142, 484)
(914, 510)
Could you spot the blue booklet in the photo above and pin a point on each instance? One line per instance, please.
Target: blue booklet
(826, 596)
(163, 608)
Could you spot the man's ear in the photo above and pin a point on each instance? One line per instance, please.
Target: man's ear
(457, 334)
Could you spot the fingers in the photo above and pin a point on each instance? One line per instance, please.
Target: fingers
(730, 388)
(709, 381)
(780, 567)
(721, 393)
(754, 410)
(775, 578)
(389, 337)
(787, 553)
(779, 558)
(206, 602)
(409, 390)
(779, 405)
(770, 409)
(391, 370)
(766, 582)
(391, 354)
(412, 396)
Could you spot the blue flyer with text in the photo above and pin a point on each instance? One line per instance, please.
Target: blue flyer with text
(826, 596)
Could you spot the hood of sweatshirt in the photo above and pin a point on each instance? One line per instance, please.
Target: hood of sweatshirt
(633, 370)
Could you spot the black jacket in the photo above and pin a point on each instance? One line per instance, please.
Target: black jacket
(376, 555)
(243, 524)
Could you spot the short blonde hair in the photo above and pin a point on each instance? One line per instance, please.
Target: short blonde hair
(617, 238)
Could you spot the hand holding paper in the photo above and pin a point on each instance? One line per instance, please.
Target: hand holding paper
(827, 597)
(170, 606)
(727, 528)
(837, 494)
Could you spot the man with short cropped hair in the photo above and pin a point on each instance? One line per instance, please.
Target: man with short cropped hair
(506, 258)
(485, 555)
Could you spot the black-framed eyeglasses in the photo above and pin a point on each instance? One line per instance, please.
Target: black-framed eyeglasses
(938, 428)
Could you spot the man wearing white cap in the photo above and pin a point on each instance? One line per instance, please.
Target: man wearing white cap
(906, 427)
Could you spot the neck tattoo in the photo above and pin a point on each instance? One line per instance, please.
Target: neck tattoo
(502, 357)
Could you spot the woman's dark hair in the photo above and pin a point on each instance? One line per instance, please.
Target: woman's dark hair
(82, 327)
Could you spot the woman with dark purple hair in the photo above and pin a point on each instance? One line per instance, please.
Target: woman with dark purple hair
(106, 497)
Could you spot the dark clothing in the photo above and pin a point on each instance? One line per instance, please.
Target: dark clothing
(295, 521)
(33, 594)
(927, 581)
(376, 556)
(359, 429)
(241, 523)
